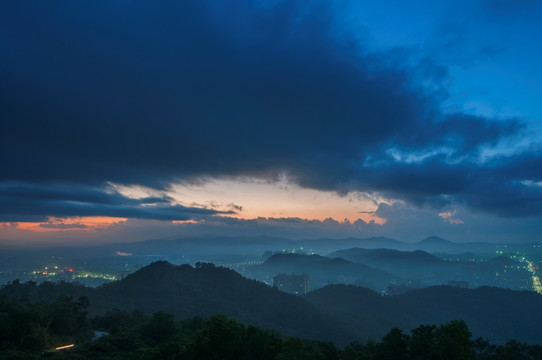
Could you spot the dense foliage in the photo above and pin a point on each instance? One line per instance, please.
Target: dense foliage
(31, 331)
(337, 313)
(28, 329)
(492, 313)
(204, 290)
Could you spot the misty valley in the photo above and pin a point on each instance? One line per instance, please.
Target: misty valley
(384, 265)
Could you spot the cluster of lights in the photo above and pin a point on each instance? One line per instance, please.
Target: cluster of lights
(246, 263)
(300, 250)
(537, 286)
(54, 271)
(93, 275)
(51, 271)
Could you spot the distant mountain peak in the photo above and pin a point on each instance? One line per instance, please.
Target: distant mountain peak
(435, 240)
(159, 264)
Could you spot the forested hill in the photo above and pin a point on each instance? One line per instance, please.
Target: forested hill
(492, 313)
(338, 313)
(387, 257)
(204, 290)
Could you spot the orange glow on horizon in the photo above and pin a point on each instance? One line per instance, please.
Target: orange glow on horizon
(238, 198)
(248, 199)
(84, 223)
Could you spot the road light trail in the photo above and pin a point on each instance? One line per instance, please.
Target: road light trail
(537, 286)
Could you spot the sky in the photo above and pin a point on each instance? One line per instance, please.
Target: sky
(129, 120)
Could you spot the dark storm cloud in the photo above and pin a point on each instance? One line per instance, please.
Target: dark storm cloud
(509, 186)
(25, 202)
(145, 93)
(499, 186)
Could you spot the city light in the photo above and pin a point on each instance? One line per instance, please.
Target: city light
(537, 285)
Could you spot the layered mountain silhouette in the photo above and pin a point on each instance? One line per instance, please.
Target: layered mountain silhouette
(324, 271)
(205, 290)
(338, 313)
(423, 269)
(492, 313)
(387, 256)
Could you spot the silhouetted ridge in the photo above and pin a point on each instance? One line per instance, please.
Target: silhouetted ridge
(206, 290)
(350, 293)
(436, 240)
(387, 255)
(284, 259)
(280, 258)
(324, 271)
(493, 313)
(339, 313)
(154, 269)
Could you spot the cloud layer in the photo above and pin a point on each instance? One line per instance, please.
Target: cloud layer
(36, 203)
(146, 93)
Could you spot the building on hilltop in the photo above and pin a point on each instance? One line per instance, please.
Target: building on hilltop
(293, 284)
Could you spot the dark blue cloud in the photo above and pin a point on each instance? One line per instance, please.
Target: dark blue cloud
(26, 202)
(147, 93)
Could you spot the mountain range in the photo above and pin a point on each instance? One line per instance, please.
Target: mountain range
(338, 313)
(322, 271)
